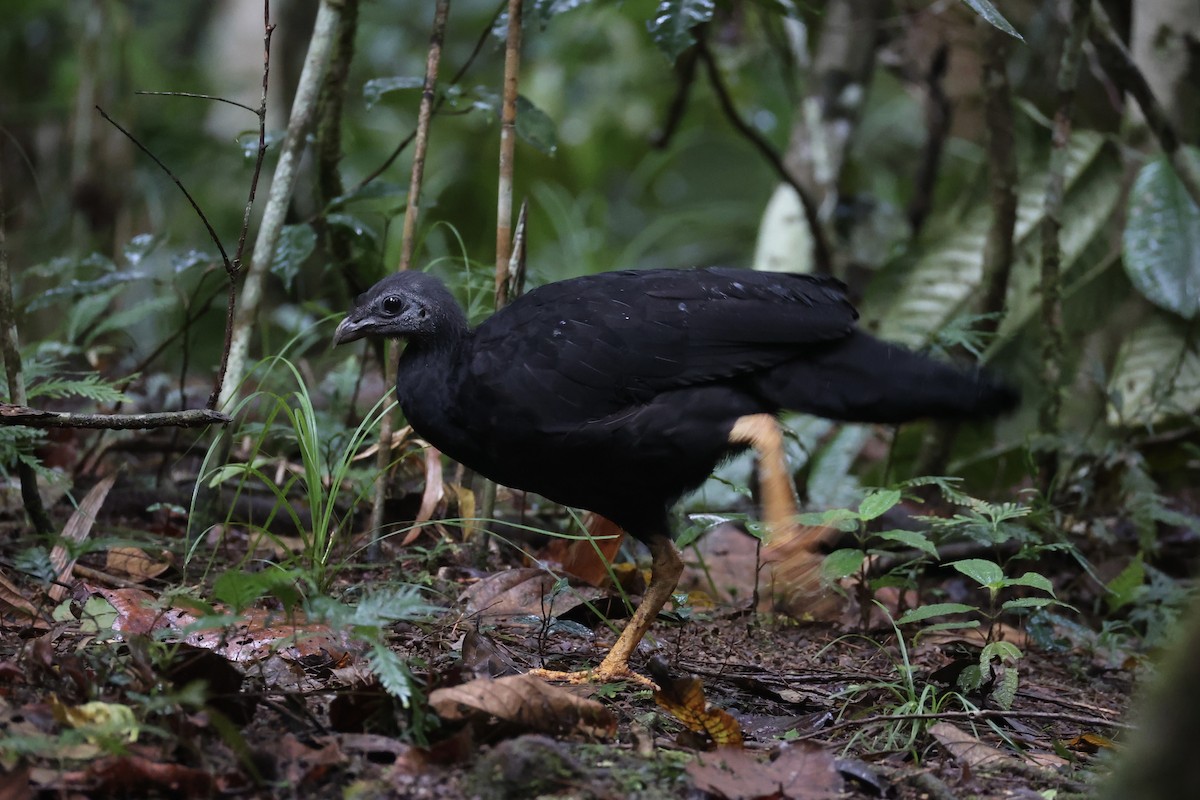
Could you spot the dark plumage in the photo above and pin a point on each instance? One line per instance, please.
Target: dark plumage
(617, 392)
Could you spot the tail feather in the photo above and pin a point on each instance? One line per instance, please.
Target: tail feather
(864, 379)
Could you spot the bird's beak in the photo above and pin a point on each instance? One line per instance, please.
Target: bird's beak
(349, 330)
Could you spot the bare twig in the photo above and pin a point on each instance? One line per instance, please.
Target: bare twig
(685, 78)
(484, 35)
(234, 269)
(1054, 342)
(339, 240)
(1002, 175)
(822, 253)
(971, 716)
(198, 96)
(283, 184)
(508, 138)
(508, 143)
(938, 112)
(1119, 64)
(212, 234)
(36, 418)
(424, 115)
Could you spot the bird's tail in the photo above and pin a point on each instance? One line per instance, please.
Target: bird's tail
(864, 379)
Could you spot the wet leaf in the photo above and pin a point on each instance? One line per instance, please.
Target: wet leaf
(296, 243)
(673, 22)
(376, 88)
(1161, 241)
(535, 127)
(993, 17)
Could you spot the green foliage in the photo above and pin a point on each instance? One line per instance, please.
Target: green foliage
(327, 465)
(368, 622)
(674, 21)
(1162, 238)
(296, 243)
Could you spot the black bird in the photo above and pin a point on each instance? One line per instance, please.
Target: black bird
(620, 392)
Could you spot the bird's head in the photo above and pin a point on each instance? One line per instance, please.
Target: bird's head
(405, 305)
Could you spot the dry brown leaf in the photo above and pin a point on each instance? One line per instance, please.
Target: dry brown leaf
(258, 634)
(801, 771)
(978, 637)
(1089, 743)
(13, 597)
(684, 699)
(526, 702)
(76, 530)
(524, 591)
(967, 748)
(137, 564)
(589, 559)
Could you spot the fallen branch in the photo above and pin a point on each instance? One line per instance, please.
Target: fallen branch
(37, 418)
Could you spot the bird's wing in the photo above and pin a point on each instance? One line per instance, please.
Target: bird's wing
(606, 342)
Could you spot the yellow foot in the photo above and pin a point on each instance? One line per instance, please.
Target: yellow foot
(598, 675)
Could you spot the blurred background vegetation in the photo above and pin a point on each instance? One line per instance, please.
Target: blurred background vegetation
(627, 158)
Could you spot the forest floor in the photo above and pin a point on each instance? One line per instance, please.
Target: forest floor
(128, 684)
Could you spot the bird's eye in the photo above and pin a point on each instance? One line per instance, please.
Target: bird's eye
(392, 305)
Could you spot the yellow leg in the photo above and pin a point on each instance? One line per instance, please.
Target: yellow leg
(790, 548)
(665, 570)
(761, 431)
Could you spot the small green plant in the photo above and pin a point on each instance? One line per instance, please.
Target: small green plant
(854, 561)
(327, 466)
(908, 705)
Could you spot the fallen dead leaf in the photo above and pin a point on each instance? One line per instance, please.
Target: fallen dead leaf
(15, 599)
(137, 564)
(78, 528)
(525, 702)
(684, 699)
(525, 592)
(589, 559)
(968, 749)
(801, 771)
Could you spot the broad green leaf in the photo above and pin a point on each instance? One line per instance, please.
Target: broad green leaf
(296, 243)
(993, 17)
(914, 539)
(239, 589)
(842, 563)
(1031, 579)
(1126, 586)
(376, 88)
(934, 610)
(126, 318)
(878, 503)
(1005, 691)
(1028, 602)
(1005, 651)
(1162, 238)
(1157, 374)
(969, 624)
(673, 21)
(535, 127)
(841, 518)
(986, 573)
